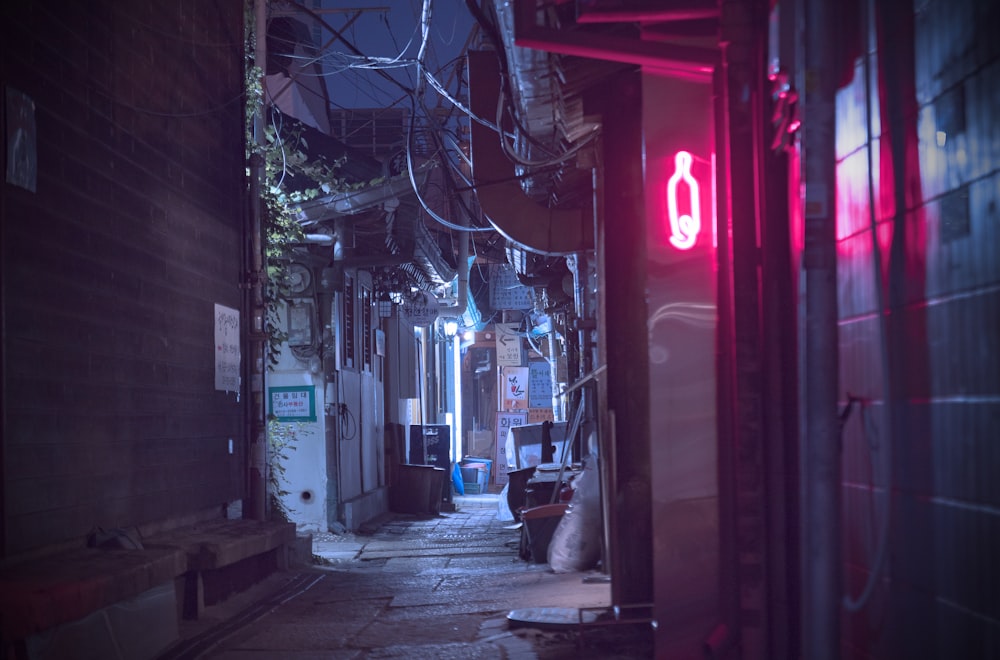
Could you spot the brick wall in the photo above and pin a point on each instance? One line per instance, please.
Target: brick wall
(112, 266)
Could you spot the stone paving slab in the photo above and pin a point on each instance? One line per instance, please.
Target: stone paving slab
(280, 636)
(268, 654)
(454, 651)
(342, 611)
(337, 557)
(418, 630)
(428, 552)
(420, 599)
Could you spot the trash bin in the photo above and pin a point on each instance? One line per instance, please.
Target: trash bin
(474, 478)
(487, 467)
(435, 489)
(430, 444)
(517, 483)
(412, 492)
(540, 523)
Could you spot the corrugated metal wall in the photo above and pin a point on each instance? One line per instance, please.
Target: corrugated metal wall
(113, 265)
(921, 452)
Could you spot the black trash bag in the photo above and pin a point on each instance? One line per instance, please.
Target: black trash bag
(114, 539)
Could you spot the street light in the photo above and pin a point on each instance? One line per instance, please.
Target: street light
(385, 305)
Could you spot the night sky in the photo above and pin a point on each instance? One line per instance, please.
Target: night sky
(390, 29)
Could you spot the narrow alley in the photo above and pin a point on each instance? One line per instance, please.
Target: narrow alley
(416, 587)
(281, 282)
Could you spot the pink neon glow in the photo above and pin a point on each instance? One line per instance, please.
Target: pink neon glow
(715, 210)
(683, 228)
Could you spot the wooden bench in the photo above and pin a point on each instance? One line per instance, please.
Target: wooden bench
(225, 557)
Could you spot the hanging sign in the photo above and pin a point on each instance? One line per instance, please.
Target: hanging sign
(508, 345)
(420, 308)
(506, 291)
(539, 384)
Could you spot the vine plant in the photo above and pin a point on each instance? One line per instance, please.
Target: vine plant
(290, 177)
(281, 438)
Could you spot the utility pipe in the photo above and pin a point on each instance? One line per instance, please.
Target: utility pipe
(331, 399)
(681, 60)
(821, 563)
(852, 604)
(462, 271)
(256, 337)
(557, 406)
(458, 308)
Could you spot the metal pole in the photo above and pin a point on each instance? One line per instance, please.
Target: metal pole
(821, 438)
(558, 413)
(256, 337)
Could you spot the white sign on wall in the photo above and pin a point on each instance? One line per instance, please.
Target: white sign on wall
(506, 291)
(508, 345)
(505, 420)
(227, 349)
(293, 404)
(515, 388)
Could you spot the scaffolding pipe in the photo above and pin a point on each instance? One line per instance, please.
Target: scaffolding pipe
(821, 437)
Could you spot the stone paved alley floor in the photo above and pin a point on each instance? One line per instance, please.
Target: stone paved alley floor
(415, 587)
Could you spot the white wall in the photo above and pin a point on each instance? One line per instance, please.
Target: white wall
(306, 462)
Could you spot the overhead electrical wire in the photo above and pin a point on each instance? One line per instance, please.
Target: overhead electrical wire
(425, 31)
(275, 118)
(555, 160)
(439, 88)
(348, 61)
(356, 61)
(416, 189)
(417, 100)
(319, 19)
(380, 64)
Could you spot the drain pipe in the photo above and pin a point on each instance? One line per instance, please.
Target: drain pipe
(822, 585)
(461, 304)
(455, 311)
(458, 308)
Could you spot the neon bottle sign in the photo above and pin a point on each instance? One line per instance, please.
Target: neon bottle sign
(683, 228)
